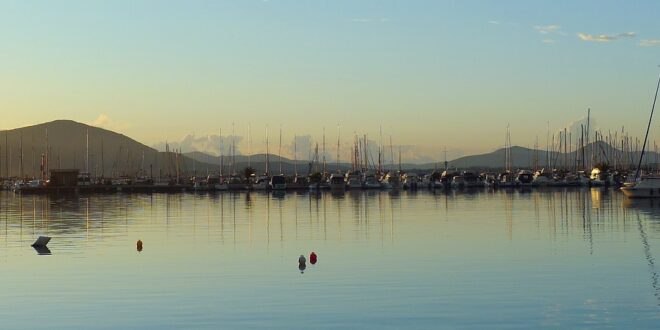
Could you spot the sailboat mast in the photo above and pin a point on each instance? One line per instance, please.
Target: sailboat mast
(366, 152)
(7, 152)
(20, 170)
(325, 168)
(565, 149)
(32, 172)
(507, 161)
(249, 147)
(380, 151)
(589, 164)
(547, 145)
(233, 150)
(391, 152)
(87, 151)
(338, 135)
(102, 163)
(279, 150)
(648, 127)
(267, 165)
(295, 155)
(46, 167)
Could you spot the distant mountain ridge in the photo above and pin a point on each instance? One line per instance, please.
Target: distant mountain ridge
(113, 154)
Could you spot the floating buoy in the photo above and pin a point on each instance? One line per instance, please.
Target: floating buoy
(312, 258)
(139, 245)
(301, 263)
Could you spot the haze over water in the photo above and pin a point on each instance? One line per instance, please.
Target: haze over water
(545, 258)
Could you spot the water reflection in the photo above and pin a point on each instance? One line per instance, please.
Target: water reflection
(557, 212)
(649, 259)
(541, 249)
(356, 215)
(41, 250)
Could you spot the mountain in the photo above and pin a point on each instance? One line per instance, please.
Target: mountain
(594, 153)
(209, 163)
(112, 154)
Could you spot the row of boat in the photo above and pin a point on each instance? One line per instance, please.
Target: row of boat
(350, 180)
(400, 180)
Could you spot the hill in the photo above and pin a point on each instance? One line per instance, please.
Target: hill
(63, 144)
(112, 154)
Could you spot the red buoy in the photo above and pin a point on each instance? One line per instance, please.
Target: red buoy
(312, 258)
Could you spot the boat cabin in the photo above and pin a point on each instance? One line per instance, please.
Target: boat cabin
(63, 178)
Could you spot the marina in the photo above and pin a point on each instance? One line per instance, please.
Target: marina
(329, 165)
(447, 180)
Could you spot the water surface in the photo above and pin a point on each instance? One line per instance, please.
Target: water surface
(505, 259)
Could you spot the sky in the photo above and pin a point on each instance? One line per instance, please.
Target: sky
(432, 75)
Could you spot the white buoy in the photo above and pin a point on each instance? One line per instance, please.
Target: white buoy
(41, 241)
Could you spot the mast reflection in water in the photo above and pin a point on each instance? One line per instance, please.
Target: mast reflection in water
(473, 258)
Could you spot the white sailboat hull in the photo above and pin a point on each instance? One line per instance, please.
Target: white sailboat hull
(647, 187)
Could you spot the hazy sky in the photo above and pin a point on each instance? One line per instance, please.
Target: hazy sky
(431, 73)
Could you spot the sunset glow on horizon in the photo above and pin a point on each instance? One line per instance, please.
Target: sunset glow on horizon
(430, 75)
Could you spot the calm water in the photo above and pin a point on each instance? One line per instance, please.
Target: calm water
(505, 259)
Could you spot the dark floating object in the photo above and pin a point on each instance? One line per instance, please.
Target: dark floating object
(139, 245)
(301, 263)
(41, 250)
(312, 258)
(41, 241)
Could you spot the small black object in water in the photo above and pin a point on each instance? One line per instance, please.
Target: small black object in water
(41, 241)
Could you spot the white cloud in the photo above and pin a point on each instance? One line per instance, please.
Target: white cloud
(606, 37)
(649, 42)
(503, 23)
(305, 145)
(104, 121)
(300, 147)
(578, 126)
(548, 41)
(370, 20)
(547, 29)
(209, 144)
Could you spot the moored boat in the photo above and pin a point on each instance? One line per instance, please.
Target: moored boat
(645, 187)
(370, 181)
(524, 178)
(261, 183)
(410, 181)
(336, 182)
(353, 180)
(278, 182)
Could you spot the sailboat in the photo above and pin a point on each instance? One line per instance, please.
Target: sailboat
(278, 181)
(220, 184)
(336, 180)
(235, 181)
(263, 181)
(646, 186)
(507, 179)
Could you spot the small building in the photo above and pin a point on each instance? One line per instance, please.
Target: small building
(63, 178)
